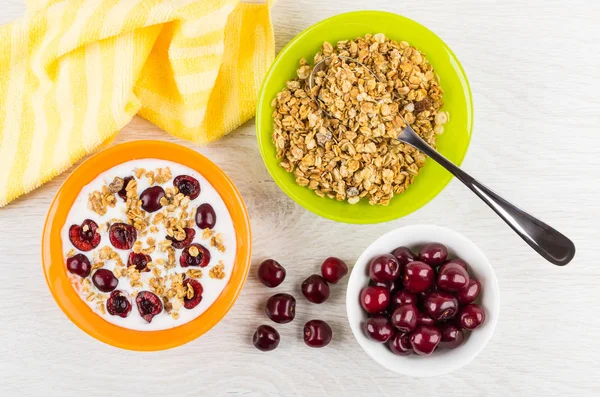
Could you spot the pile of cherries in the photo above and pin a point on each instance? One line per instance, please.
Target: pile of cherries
(281, 308)
(414, 308)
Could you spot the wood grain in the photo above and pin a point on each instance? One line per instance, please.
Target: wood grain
(533, 68)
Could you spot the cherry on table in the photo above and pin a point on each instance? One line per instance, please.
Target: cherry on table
(384, 268)
(452, 277)
(441, 306)
(434, 254)
(315, 289)
(104, 280)
(418, 277)
(469, 293)
(378, 329)
(187, 185)
(281, 308)
(271, 273)
(80, 265)
(317, 333)
(471, 316)
(374, 299)
(400, 344)
(266, 338)
(206, 218)
(151, 198)
(405, 317)
(424, 339)
(333, 269)
(452, 336)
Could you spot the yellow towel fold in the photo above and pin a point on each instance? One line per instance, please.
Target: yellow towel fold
(74, 72)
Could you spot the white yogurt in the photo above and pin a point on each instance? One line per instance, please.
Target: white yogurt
(224, 225)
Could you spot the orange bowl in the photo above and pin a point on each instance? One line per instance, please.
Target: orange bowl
(54, 265)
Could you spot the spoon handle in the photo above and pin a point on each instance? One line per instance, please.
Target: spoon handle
(544, 239)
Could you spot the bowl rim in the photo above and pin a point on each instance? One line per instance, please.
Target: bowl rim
(493, 311)
(264, 101)
(55, 272)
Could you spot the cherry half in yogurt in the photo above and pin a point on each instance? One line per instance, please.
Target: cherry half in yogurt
(190, 233)
(118, 304)
(123, 192)
(85, 237)
(122, 236)
(139, 260)
(194, 255)
(148, 305)
(193, 294)
(187, 185)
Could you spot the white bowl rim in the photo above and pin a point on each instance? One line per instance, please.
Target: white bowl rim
(451, 360)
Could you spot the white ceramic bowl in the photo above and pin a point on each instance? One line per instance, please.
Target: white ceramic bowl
(441, 361)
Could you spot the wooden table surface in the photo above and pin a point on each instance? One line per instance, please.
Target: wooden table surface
(533, 68)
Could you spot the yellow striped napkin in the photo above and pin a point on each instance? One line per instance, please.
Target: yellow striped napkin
(74, 72)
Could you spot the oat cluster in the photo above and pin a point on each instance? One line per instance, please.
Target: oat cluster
(346, 149)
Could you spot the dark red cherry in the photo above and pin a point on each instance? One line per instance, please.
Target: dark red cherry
(425, 319)
(281, 308)
(151, 198)
(452, 277)
(404, 256)
(187, 185)
(405, 317)
(470, 293)
(433, 254)
(206, 217)
(315, 289)
(378, 329)
(317, 333)
(271, 273)
(122, 236)
(80, 265)
(192, 299)
(402, 297)
(418, 277)
(85, 237)
(471, 316)
(441, 306)
(118, 304)
(189, 237)
(424, 339)
(194, 255)
(266, 338)
(389, 285)
(105, 280)
(459, 262)
(148, 305)
(400, 344)
(333, 270)
(139, 260)
(123, 192)
(374, 299)
(452, 336)
(384, 268)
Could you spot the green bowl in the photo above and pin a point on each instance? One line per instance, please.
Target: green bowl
(453, 143)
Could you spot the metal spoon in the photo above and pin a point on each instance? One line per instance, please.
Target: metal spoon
(544, 239)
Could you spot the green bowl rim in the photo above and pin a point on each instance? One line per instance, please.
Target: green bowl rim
(262, 99)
